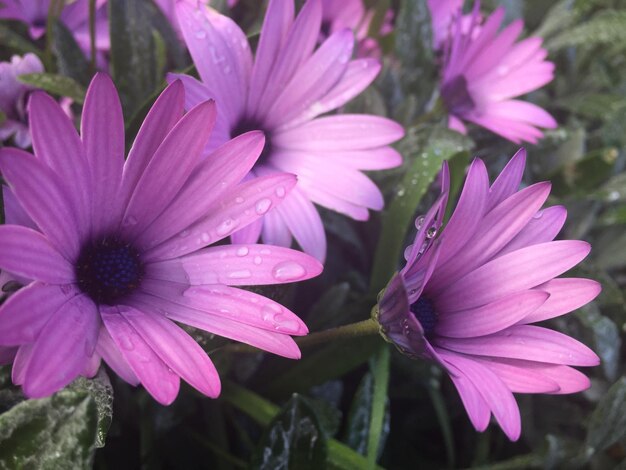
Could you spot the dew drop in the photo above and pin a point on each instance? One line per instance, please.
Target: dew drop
(200, 34)
(280, 192)
(184, 233)
(205, 237)
(225, 227)
(239, 200)
(262, 206)
(288, 271)
(243, 274)
(258, 260)
(419, 222)
(242, 251)
(129, 221)
(431, 232)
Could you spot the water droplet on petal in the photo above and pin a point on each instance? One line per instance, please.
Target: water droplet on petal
(242, 251)
(130, 220)
(200, 34)
(239, 200)
(184, 233)
(243, 274)
(431, 232)
(262, 206)
(419, 222)
(288, 271)
(225, 227)
(258, 260)
(280, 192)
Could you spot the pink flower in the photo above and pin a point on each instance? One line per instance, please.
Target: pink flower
(13, 96)
(282, 92)
(467, 297)
(484, 70)
(353, 14)
(75, 16)
(442, 13)
(116, 251)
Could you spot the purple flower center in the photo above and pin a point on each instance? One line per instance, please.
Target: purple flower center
(108, 270)
(425, 313)
(456, 96)
(247, 125)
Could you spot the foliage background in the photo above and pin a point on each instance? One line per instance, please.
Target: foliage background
(348, 403)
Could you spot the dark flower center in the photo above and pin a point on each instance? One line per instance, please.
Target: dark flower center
(108, 270)
(425, 313)
(247, 125)
(456, 96)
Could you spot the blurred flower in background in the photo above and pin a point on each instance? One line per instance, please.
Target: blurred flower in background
(282, 92)
(467, 297)
(484, 69)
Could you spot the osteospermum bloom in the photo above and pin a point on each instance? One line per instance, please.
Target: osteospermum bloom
(468, 297)
(353, 14)
(75, 16)
(484, 70)
(115, 250)
(13, 97)
(282, 92)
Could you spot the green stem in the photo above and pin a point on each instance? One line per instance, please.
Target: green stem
(92, 34)
(379, 402)
(352, 330)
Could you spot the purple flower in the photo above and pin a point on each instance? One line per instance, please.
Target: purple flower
(353, 14)
(75, 16)
(282, 92)
(485, 69)
(13, 97)
(467, 297)
(115, 248)
(442, 13)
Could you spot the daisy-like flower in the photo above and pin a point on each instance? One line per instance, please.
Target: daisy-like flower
(75, 16)
(353, 14)
(484, 70)
(282, 92)
(116, 249)
(467, 297)
(13, 97)
(442, 13)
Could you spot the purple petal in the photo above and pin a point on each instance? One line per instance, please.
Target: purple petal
(213, 178)
(275, 231)
(173, 162)
(14, 213)
(44, 197)
(566, 295)
(25, 313)
(176, 349)
(56, 142)
(164, 114)
(271, 341)
(20, 363)
(7, 355)
(102, 131)
(526, 342)
(28, 253)
(158, 379)
(232, 304)
(247, 265)
(63, 348)
(492, 317)
(543, 227)
(513, 272)
(114, 358)
(244, 204)
(520, 376)
(508, 181)
(340, 132)
(494, 392)
(249, 234)
(373, 159)
(570, 380)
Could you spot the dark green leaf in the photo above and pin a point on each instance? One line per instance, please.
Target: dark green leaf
(606, 27)
(71, 61)
(294, 439)
(57, 84)
(608, 421)
(16, 43)
(51, 433)
(100, 389)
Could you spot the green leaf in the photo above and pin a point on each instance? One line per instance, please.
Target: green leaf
(325, 313)
(294, 439)
(51, 433)
(607, 342)
(16, 43)
(133, 60)
(608, 421)
(57, 84)
(424, 150)
(379, 405)
(100, 389)
(71, 61)
(605, 27)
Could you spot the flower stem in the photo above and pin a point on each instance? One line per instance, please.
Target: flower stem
(352, 330)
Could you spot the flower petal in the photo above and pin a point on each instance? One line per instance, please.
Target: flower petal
(158, 379)
(543, 227)
(14, 213)
(63, 348)
(26, 252)
(520, 376)
(509, 180)
(113, 357)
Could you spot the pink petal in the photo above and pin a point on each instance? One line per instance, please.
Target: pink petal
(340, 132)
(164, 114)
(526, 342)
(244, 204)
(7, 355)
(275, 231)
(28, 253)
(25, 313)
(177, 349)
(566, 295)
(513, 272)
(213, 178)
(543, 227)
(508, 181)
(520, 376)
(492, 317)
(176, 157)
(158, 379)
(381, 158)
(43, 195)
(14, 213)
(63, 348)
(102, 131)
(20, 363)
(249, 234)
(114, 358)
